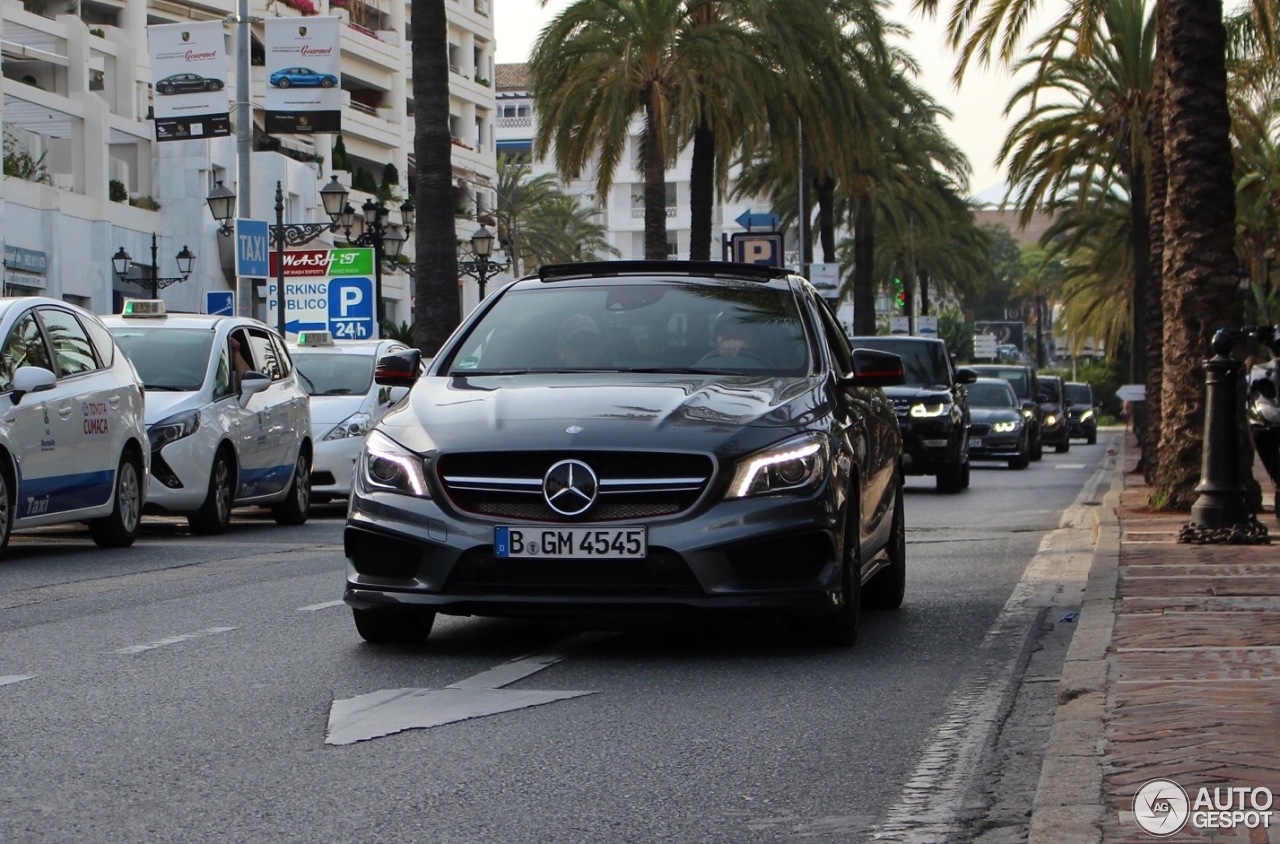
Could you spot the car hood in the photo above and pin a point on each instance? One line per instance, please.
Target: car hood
(161, 405)
(722, 414)
(330, 410)
(988, 415)
(935, 393)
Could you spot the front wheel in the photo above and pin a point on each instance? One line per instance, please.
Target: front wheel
(950, 479)
(6, 510)
(214, 515)
(297, 504)
(120, 529)
(886, 590)
(1037, 448)
(1092, 438)
(839, 629)
(283, 83)
(393, 627)
(1063, 447)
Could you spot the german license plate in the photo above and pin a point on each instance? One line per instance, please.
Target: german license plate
(570, 542)
(975, 443)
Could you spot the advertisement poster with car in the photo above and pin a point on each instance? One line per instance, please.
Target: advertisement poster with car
(325, 290)
(304, 92)
(189, 75)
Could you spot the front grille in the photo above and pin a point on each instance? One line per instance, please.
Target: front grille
(979, 430)
(633, 485)
(781, 560)
(662, 573)
(901, 406)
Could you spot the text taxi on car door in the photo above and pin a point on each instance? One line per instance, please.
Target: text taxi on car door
(72, 438)
(345, 403)
(227, 420)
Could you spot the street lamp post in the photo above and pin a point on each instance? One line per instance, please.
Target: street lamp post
(121, 260)
(480, 267)
(386, 238)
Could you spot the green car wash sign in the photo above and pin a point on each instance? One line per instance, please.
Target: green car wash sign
(325, 290)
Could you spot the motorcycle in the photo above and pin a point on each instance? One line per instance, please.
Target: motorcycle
(1262, 408)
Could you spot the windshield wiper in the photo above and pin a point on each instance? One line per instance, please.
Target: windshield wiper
(464, 373)
(337, 391)
(169, 388)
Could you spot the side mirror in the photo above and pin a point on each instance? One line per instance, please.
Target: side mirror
(398, 370)
(965, 375)
(31, 379)
(872, 368)
(252, 382)
(1027, 404)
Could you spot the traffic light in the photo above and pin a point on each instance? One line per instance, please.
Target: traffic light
(899, 294)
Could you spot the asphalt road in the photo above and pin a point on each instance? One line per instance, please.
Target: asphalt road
(182, 691)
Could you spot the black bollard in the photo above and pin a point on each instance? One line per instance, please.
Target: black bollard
(1221, 513)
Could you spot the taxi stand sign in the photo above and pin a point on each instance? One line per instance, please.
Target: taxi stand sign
(325, 290)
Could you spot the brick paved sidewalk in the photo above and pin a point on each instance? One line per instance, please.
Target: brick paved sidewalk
(1173, 674)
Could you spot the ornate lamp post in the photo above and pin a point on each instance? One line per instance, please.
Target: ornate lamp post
(479, 266)
(121, 261)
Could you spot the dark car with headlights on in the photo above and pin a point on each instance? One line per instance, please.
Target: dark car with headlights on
(1056, 428)
(621, 436)
(1023, 380)
(998, 430)
(1082, 411)
(933, 412)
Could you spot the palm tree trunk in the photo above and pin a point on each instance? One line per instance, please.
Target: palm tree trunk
(1201, 287)
(826, 191)
(1140, 244)
(702, 186)
(436, 309)
(864, 252)
(1148, 429)
(655, 188)
(924, 292)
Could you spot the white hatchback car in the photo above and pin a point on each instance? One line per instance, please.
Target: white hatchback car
(73, 446)
(228, 422)
(345, 403)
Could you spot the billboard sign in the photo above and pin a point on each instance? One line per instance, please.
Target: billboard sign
(304, 76)
(189, 75)
(325, 289)
(1006, 332)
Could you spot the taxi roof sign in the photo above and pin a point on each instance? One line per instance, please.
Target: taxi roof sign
(315, 338)
(143, 308)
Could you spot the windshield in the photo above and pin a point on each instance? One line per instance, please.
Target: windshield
(642, 327)
(1079, 394)
(335, 374)
(1052, 388)
(1017, 379)
(173, 359)
(925, 361)
(991, 395)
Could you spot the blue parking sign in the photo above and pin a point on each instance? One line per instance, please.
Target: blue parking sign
(351, 308)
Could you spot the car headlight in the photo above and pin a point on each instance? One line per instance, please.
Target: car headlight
(1026, 413)
(174, 428)
(385, 464)
(789, 466)
(1005, 427)
(1051, 419)
(355, 425)
(1086, 416)
(925, 411)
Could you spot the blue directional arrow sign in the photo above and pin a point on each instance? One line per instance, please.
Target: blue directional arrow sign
(293, 326)
(750, 221)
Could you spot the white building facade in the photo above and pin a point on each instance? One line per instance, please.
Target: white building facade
(85, 175)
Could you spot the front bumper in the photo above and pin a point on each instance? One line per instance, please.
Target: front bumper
(755, 554)
(996, 446)
(928, 444)
(334, 466)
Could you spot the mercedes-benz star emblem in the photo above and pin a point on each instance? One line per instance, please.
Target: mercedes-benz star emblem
(570, 487)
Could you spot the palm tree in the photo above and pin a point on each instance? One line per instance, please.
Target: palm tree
(1199, 227)
(436, 308)
(520, 198)
(563, 231)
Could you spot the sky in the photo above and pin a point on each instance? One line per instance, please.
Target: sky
(978, 123)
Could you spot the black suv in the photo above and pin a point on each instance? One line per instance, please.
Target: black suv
(1023, 381)
(1082, 410)
(633, 435)
(933, 412)
(1056, 427)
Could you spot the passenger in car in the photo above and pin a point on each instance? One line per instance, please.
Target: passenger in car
(580, 344)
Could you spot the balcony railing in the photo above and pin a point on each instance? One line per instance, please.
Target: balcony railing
(638, 213)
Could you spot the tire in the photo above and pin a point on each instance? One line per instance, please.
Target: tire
(886, 590)
(120, 529)
(6, 509)
(326, 83)
(283, 83)
(214, 515)
(839, 629)
(964, 475)
(950, 479)
(297, 504)
(166, 89)
(1037, 448)
(1092, 439)
(1021, 461)
(392, 627)
(1063, 447)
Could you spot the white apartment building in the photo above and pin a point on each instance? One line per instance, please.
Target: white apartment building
(77, 97)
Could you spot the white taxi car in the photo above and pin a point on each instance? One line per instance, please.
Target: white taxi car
(73, 446)
(345, 403)
(227, 419)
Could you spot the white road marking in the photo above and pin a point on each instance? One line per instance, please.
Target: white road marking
(6, 679)
(930, 805)
(323, 606)
(173, 640)
(391, 711)
(1071, 465)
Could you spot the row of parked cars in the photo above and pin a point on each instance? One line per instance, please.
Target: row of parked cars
(106, 419)
(953, 414)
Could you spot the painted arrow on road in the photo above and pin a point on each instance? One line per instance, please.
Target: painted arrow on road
(392, 711)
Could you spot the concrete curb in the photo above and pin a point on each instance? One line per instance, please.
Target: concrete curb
(1069, 804)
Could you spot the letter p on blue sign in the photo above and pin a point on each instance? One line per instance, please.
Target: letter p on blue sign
(762, 248)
